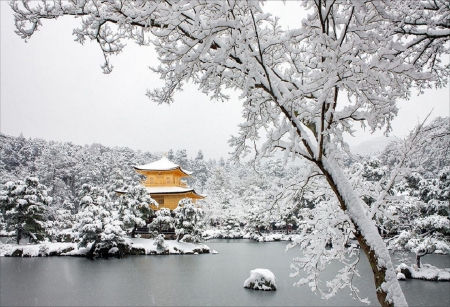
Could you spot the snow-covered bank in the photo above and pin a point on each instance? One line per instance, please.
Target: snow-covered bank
(265, 237)
(137, 246)
(426, 272)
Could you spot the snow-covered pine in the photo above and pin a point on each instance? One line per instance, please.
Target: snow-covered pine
(373, 52)
(134, 208)
(160, 243)
(188, 221)
(24, 206)
(96, 224)
(163, 221)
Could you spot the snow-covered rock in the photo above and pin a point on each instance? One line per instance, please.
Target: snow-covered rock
(426, 272)
(261, 279)
(401, 276)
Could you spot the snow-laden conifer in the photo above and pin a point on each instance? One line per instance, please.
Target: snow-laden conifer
(24, 207)
(96, 224)
(163, 221)
(134, 208)
(188, 221)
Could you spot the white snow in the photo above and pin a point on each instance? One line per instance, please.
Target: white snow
(156, 190)
(426, 272)
(356, 212)
(261, 279)
(162, 164)
(401, 276)
(45, 249)
(34, 250)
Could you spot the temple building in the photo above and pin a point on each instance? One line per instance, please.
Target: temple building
(164, 182)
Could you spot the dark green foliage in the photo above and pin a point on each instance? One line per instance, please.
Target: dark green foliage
(24, 206)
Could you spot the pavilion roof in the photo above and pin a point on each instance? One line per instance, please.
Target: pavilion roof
(162, 164)
(165, 190)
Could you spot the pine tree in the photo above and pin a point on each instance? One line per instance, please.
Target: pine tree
(96, 224)
(188, 221)
(163, 221)
(24, 207)
(134, 208)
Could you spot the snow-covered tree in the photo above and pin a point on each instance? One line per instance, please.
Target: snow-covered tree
(160, 243)
(162, 221)
(188, 221)
(134, 207)
(372, 52)
(96, 224)
(60, 222)
(24, 207)
(200, 171)
(422, 225)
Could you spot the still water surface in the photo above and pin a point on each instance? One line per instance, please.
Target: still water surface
(187, 280)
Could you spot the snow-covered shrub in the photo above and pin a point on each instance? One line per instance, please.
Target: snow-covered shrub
(24, 206)
(44, 250)
(163, 221)
(160, 243)
(96, 224)
(188, 221)
(261, 279)
(135, 208)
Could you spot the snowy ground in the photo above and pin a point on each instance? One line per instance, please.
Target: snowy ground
(139, 246)
(236, 234)
(426, 272)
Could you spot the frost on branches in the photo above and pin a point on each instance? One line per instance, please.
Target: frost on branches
(407, 189)
(370, 52)
(96, 224)
(24, 207)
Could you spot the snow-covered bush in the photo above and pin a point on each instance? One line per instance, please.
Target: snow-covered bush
(261, 279)
(134, 207)
(163, 221)
(24, 207)
(188, 221)
(96, 224)
(160, 243)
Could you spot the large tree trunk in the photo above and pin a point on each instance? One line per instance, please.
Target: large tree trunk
(419, 255)
(388, 289)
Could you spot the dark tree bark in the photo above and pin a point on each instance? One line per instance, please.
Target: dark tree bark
(19, 235)
(90, 253)
(133, 232)
(419, 255)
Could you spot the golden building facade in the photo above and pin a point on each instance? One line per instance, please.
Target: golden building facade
(164, 182)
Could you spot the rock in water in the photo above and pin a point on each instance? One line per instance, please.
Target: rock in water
(261, 279)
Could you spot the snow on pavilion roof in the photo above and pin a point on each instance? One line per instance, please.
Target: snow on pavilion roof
(165, 190)
(162, 164)
(170, 190)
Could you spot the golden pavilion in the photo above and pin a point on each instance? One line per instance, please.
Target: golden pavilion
(164, 182)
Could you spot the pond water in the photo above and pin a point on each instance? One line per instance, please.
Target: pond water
(187, 280)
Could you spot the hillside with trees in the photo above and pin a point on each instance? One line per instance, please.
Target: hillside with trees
(77, 186)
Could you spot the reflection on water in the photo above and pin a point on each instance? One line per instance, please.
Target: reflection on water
(187, 280)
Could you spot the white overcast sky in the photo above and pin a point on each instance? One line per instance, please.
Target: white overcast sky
(53, 88)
